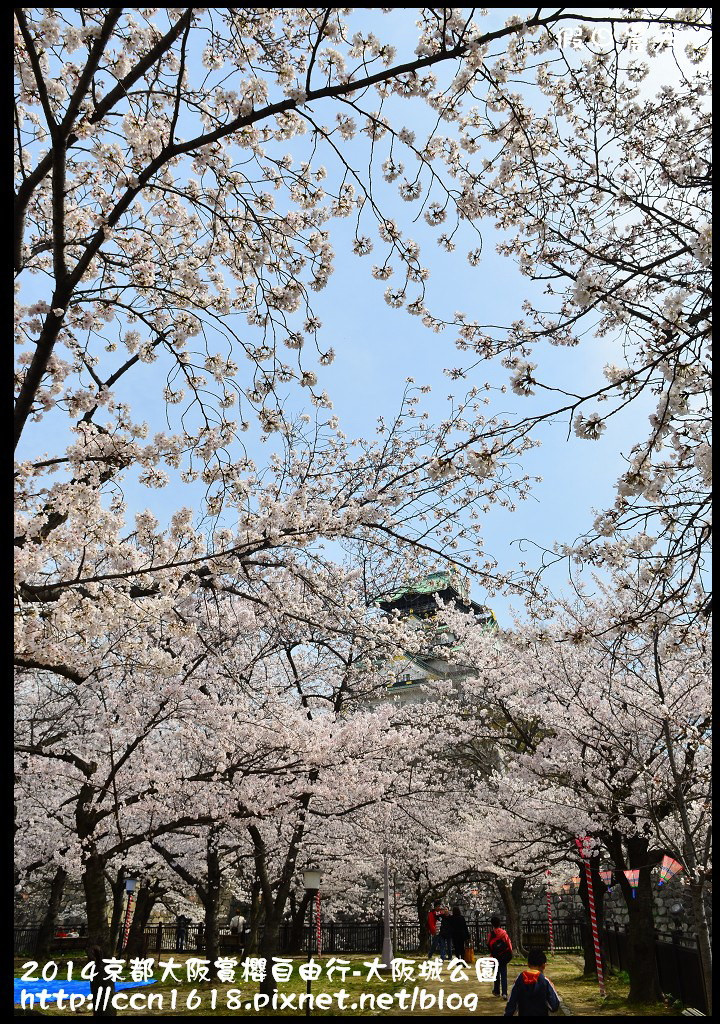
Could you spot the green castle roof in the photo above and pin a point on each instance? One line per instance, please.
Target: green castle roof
(431, 584)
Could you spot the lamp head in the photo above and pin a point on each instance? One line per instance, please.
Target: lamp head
(312, 878)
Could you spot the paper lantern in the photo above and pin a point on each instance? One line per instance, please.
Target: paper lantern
(632, 876)
(606, 877)
(584, 844)
(668, 869)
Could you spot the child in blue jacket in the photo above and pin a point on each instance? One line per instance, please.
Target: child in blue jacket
(532, 994)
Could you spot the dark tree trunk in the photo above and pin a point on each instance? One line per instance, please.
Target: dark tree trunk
(212, 901)
(147, 896)
(93, 881)
(298, 912)
(703, 934)
(99, 986)
(644, 984)
(117, 887)
(48, 925)
(512, 898)
(269, 945)
(99, 939)
(422, 904)
(599, 890)
(257, 916)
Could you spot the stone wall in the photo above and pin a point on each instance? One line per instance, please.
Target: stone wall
(672, 910)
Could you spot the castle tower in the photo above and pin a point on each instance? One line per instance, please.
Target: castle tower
(417, 600)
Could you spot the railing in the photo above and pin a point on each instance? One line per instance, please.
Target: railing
(410, 938)
(25, 941)
(677, 960)
(169, 938)
(567, 935)
(352, 937)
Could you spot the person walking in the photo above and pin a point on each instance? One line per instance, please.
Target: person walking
(237, 928)
(446, 934)
(434, 919)
(500, 946)
(459, 932)
(533, 994)
(181, 927)
(100, 984)
(237, 924)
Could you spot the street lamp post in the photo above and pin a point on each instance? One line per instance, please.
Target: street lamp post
(394, 931)
(387, 950)
(311, 880)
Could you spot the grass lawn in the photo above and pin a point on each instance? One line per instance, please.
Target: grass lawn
(581, 995)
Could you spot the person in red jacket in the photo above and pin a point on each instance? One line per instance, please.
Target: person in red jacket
(500, 946)
(434, 921)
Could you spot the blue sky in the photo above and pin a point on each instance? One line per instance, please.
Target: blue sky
(377, 348)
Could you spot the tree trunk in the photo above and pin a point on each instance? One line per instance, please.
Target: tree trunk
(257, 916)
(147, 896)
(99, 986)
(422, 904)
(590, 967)
(703, 935)
(644, 986)
(48, 925)
(299, 918)
(511, 896)
(99, 939)
(269, 948)
(117, 920)
(93, 881)
(212, 901)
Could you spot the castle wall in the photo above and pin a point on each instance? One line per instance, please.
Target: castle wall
(672, 907)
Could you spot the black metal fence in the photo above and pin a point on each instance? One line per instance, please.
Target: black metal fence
(163, 938)
(411, 938)
(677, 960)
(354, 937)
(25, 941)
(567, 936)
(336, 938)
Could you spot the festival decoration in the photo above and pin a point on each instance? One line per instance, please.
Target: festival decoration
(668, 869)
(632, 876)
(550, 920)
(582, 845)
(318, 923)
(606, 877)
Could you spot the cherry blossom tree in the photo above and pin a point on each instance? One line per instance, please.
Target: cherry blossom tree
(93, 771)
(220, 716)
(602, 737)
(599, 170)
(185, 684)
(142, 198)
